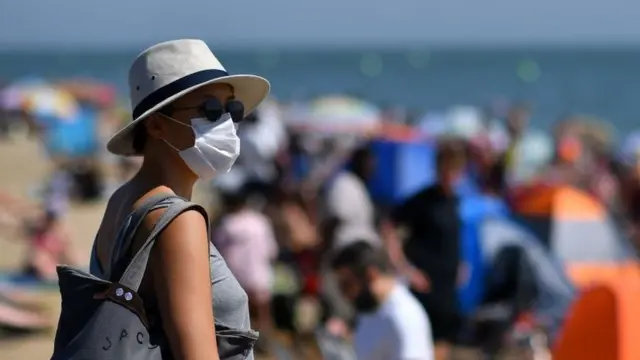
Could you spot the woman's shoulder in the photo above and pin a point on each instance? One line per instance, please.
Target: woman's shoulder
(182, 220)
(122, 205)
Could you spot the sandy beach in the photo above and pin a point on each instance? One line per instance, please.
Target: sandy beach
(22, 166)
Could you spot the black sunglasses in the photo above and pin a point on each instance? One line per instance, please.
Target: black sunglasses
(212, 109)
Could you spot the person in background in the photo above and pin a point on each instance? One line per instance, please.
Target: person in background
(263, 137)
(516, 122)
(297, 236)
(44, 227)
(629, 178)
(481, 156)
(565, 168)
(50, 244)
(348, 202)
(297, 267)
(430, 258)
(392, 325)
(601, 182)
(245, 238)
(349, 215)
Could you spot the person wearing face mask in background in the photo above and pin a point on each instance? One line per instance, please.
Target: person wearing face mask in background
(186, 109)
(430, 256)
(392, 325)
(348, 215)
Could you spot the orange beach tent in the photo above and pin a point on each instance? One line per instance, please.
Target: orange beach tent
(577, 229)
(604, 321)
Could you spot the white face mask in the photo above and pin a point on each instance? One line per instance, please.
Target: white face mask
(215, 149)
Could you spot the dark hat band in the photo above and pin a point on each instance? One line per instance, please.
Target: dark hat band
(176, 87)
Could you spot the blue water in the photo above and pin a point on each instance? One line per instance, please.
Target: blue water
(605, 83)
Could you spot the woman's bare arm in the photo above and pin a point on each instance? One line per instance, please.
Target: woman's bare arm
(180, 266)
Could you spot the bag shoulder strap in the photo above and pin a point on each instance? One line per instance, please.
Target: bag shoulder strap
(134, 273)
(135, 220)
(129, 228)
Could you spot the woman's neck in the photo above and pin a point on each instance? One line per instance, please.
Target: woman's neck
(153, 174)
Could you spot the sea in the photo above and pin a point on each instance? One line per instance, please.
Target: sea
(604, 83)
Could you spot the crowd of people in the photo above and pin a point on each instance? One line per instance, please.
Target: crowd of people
(340, 237)
(358, 256)
(300, 229)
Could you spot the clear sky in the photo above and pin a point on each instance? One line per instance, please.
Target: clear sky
(124, 23)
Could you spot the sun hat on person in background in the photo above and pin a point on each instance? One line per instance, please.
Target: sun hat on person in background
(172, 69)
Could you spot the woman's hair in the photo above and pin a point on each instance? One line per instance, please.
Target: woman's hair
(139, 137)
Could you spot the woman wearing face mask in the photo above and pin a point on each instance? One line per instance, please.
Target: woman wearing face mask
(186, 108)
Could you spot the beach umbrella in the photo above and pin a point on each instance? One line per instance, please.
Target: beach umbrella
(464, 122)
(91, 91)
(336, 114)
(459, 121)
(12, 96)
(50, 102)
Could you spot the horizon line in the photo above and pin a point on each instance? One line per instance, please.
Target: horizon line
(328, 46)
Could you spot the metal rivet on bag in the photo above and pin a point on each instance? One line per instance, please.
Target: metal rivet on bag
(119, 292)
(128, 296)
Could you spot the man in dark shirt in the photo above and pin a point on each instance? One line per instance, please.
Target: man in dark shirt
(430, 258)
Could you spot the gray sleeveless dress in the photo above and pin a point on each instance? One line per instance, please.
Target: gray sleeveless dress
(230, 301)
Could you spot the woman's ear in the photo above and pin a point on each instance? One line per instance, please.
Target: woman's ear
(155, 126)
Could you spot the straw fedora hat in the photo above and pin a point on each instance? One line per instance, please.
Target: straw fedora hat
(169, 70)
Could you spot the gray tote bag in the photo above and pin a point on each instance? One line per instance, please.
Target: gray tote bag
(105, 320)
